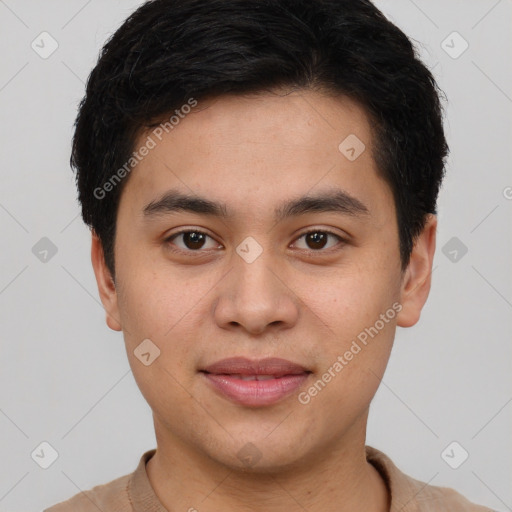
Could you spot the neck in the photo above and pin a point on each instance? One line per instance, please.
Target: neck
(338, 479)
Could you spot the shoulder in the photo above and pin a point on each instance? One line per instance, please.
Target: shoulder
(435, 498)
(109, 497)
(411, 495)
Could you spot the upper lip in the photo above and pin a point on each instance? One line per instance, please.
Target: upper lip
(243, 366)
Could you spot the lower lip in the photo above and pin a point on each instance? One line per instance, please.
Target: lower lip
(256, 392)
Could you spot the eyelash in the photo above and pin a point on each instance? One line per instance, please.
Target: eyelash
(341, 241)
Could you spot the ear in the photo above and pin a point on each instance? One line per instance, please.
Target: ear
(106, 285)
(417, 276)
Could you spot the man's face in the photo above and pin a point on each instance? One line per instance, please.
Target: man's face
(255, 285)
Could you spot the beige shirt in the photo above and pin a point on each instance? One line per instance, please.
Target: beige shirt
(133, 492)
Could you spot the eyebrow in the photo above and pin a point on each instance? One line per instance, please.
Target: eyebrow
(334, 200)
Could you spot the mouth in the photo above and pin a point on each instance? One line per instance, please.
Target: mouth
(255, 383)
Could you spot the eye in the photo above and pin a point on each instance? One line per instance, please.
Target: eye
(318, 239)
(192, 240)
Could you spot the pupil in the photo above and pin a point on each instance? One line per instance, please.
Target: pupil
(194, 240)
(316, 240)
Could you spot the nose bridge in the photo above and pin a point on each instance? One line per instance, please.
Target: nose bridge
(253, 296)
(255, 278)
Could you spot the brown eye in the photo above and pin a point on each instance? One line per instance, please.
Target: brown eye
(191, 240)
(317, 240)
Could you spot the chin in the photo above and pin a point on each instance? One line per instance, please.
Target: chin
(263, 456)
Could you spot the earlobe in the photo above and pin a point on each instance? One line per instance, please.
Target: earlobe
(417, 277)
(106, 285)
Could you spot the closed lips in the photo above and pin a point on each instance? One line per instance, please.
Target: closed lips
(253, 377)
(255, 383)
(241, 367)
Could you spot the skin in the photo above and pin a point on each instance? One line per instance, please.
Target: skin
(295, 301)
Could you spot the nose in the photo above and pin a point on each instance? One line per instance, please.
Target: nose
(254, 297)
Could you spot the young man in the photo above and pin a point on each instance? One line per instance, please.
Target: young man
(261, 180)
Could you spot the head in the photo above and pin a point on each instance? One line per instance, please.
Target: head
(249, 125)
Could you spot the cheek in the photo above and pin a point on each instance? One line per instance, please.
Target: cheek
(350, 300)
(152, 309)
(354, 363)
(155, 304)
(143, 309)
(360, 310)
(169, 310)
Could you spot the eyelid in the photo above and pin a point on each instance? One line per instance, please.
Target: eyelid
(168, 239)
(342, 240)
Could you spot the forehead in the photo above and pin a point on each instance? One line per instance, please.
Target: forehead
(255, 150)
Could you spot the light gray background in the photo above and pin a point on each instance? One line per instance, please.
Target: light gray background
(64, 375)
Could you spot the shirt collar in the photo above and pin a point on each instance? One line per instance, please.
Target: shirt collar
(403, 489)
(141, 494)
